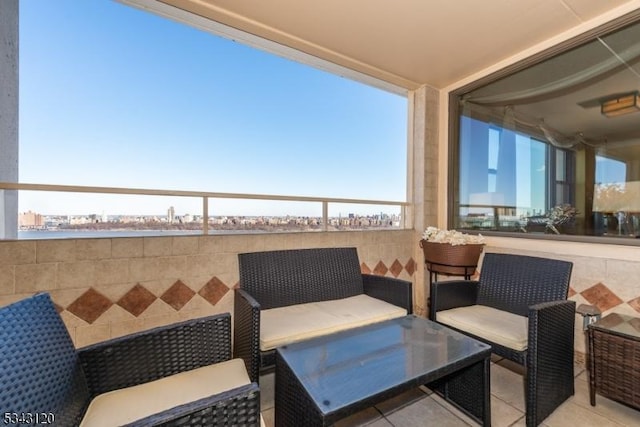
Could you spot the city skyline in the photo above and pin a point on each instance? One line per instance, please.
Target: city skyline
(94, 225)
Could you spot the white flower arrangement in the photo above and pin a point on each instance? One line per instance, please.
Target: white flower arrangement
(453, 237)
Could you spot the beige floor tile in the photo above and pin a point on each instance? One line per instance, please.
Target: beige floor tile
(451, 408)
(503, 414)
(522, 422)
(608, 408)
(580, 372)
(570, 414)
(362, 418)
(402, 400)
(269, 417)
(508, 386)
(267, 391)
(425, 412)
(583, 376)
(512, 366)
(382, 422)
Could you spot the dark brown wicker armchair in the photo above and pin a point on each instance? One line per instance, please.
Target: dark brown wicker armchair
(535, 288)
(42, 375)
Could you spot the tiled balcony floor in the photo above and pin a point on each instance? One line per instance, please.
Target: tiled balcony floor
(420, 407)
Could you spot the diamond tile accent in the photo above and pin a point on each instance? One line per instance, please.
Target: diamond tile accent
(213, 291)
(90, 305)
(364, 268)
(178, 295)
(396, 268)
(410, 266)
(635, 304)
(137, 300)
(380, 269)
(601, 296)
(571, 293)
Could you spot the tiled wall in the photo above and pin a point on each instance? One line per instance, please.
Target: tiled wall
(110, 287)
(107, 287)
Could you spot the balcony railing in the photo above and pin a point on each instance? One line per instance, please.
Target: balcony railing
(324, 203)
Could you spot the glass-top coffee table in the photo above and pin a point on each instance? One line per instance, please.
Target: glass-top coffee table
(322, 380)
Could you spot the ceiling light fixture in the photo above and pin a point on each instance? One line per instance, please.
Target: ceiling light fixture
(623, 104)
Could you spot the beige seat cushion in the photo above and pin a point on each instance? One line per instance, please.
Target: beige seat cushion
(501, 327)
(284, 325)
(120, 407)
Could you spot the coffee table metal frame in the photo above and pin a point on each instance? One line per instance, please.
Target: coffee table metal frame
(322, 380)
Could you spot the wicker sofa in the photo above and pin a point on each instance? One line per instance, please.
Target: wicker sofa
(290, 295)
(181, 374)
(519, 306)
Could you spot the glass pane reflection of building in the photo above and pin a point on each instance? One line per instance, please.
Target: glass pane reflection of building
(555, 148)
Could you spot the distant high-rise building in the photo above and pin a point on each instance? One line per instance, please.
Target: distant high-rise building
(30, 220)
(171, 215)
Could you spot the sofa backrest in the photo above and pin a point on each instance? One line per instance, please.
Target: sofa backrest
(287, 277)
(515, 282)
(39, 366)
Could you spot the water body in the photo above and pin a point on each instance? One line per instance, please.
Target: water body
(79, 234)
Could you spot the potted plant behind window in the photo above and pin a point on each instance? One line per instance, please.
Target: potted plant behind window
(451, 252)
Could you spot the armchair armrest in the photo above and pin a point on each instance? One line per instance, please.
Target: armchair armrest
(156, 353)
(239, 406)
(394, 291)
(550, 354)
(451, 294)
(246, 332)
(551, 328)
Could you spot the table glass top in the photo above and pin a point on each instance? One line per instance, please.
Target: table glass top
(619, 323)
(346, 367)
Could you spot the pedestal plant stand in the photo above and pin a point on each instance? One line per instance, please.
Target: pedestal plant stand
(451, 260)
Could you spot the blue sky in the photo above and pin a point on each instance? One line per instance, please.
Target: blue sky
(113, 96)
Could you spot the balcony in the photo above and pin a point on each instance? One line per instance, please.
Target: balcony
(111, 286)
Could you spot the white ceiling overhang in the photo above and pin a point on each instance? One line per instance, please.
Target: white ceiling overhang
(406, 43)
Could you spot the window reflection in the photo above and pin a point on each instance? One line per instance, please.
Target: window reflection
(536, 154)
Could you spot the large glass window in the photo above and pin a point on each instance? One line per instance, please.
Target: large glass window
(554, 148)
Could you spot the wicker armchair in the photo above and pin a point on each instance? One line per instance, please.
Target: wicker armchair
(42, 373)
(536, 289)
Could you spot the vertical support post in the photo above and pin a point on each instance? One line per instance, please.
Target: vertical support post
(407, 217)
(9, 117)
(205, 215)
(325, 216)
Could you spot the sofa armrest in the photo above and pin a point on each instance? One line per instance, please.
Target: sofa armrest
(246, 332)
(394, 291)
(451, 294)
(239, 406)
(156, 353)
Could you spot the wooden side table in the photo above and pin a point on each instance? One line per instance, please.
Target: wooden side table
(614, 359)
